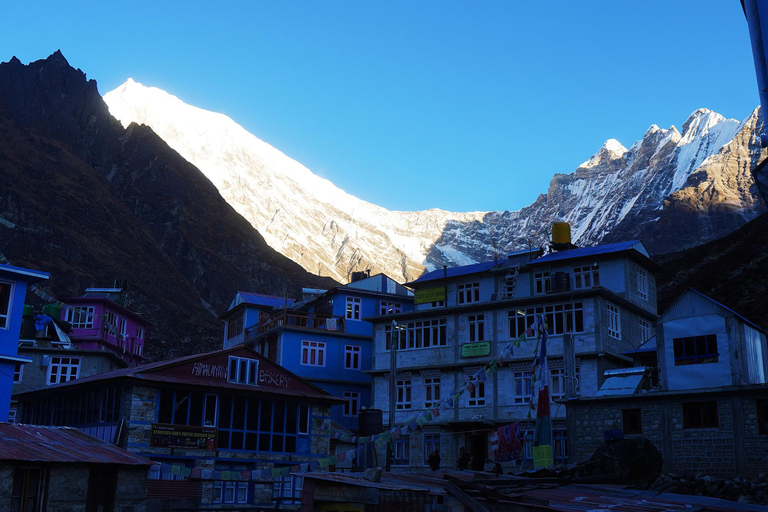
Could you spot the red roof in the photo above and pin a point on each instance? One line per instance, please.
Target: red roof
(60, 444)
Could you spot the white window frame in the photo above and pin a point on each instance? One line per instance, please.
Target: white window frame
(352, 356)
(645, 330)
(542, 282)
(75, 317)
(313, 353)
(352, 403)
(642, 282)
(288, 489)
(12, 413)
(389, 308)
(230, 491)
(139, 333)
(18, 373)
(6, 315)
(243, 370)
(431, 392)
(354, 307)
(476, 395)
(210, 401)
(123, 329)
(613, 314)
(522, 387)
(467, 293)
(586, 277)
(557, 383)
(476, 327)
(60, 369)
(403, 394)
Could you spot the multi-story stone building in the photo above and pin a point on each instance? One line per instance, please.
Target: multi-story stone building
(599, 303)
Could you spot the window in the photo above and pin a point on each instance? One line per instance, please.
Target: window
(158, 473)
(81, 317)
(351, 357)
(287, 489)
(438, 304)
(402, 394)
(476, 325)
(139, 333)
(303, 419)
(211, 412)
(123, 329)
(18, 371)
(28, 492)
(614, 321)
(642, 283)
(523, 387)
(557, 386)
(586, 277)
(431, 392)
(559, 448)
(700, 415)
(235, 325)
(645, 331)
(230, 491)
(541, 283)
(12, 415)
(468, 293)
(762, 416)
(695, 349)
(243, 370)
(110, 322)
(402, 455)
(138, 349)
(353, 308)
(313, 353)
(418, 334)
(632, 421)
(257, 424)
(63, 369)
(431, 443)
(476, 392)
(389, 308)
(561, 318)
(352, 403)
(5, 304)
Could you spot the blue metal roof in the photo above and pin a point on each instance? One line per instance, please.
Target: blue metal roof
(455, 272)
(31, 275)
(586, 252)
(271, 301)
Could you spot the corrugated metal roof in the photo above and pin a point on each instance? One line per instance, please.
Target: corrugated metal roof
(586, 252)
(271, 301)
(60, 444)
(692, 303)
(455, 272)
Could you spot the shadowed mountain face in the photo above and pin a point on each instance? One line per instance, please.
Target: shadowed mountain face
(91, 202)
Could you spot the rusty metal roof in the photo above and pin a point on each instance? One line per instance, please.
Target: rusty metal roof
(60, 444)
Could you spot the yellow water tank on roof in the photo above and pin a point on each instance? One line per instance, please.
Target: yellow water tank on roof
(561, 233)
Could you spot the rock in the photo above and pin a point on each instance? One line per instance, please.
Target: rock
(372, 474)
(636, 461)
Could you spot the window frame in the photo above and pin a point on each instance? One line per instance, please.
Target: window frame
(18, 373)
(354, 308)
(389, 308)
(235, 325)
(403, 394)
(351, 403)
(476, 395)
(313, 353)
(431, 392)
(586, 277)
(562, 317)
(246, 370)
(542, 282)
(681, 347)
(613, 320)
(468, 293)
(401, 453)
(75, 313)
(700, 415)
(641, 279)
(6, 303)
(352, 357)
(60, 364)
(476, 327)
(431, 442)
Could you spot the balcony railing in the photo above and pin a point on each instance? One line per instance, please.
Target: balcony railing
(295, 319)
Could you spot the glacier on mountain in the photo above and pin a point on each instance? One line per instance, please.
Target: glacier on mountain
(615, 193)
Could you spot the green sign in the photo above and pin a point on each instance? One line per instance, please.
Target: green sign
(429, 295)
(476, 349)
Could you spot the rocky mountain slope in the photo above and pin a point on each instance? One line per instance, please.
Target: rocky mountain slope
(90, 201)
(674, 189)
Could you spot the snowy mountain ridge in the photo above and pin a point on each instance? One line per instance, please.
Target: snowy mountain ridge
(330, 232)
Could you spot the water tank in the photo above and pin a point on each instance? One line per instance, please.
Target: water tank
(370, 422)
(358, 276)
(561, 282)
(52, 310)
(561, 233)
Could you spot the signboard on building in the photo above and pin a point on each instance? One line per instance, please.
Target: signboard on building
(429, 295)
(183, 436)
(476, 349)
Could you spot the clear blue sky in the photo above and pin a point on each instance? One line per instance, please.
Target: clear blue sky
(412, 105)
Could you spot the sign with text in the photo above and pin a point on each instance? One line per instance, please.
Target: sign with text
(476, 349)
(429, 295)
(183, 436)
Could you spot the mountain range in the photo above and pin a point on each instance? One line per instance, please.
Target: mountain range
(673, 189)
(172, 206)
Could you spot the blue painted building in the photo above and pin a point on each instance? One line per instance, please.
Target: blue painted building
(323, 338)
(13, 290)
